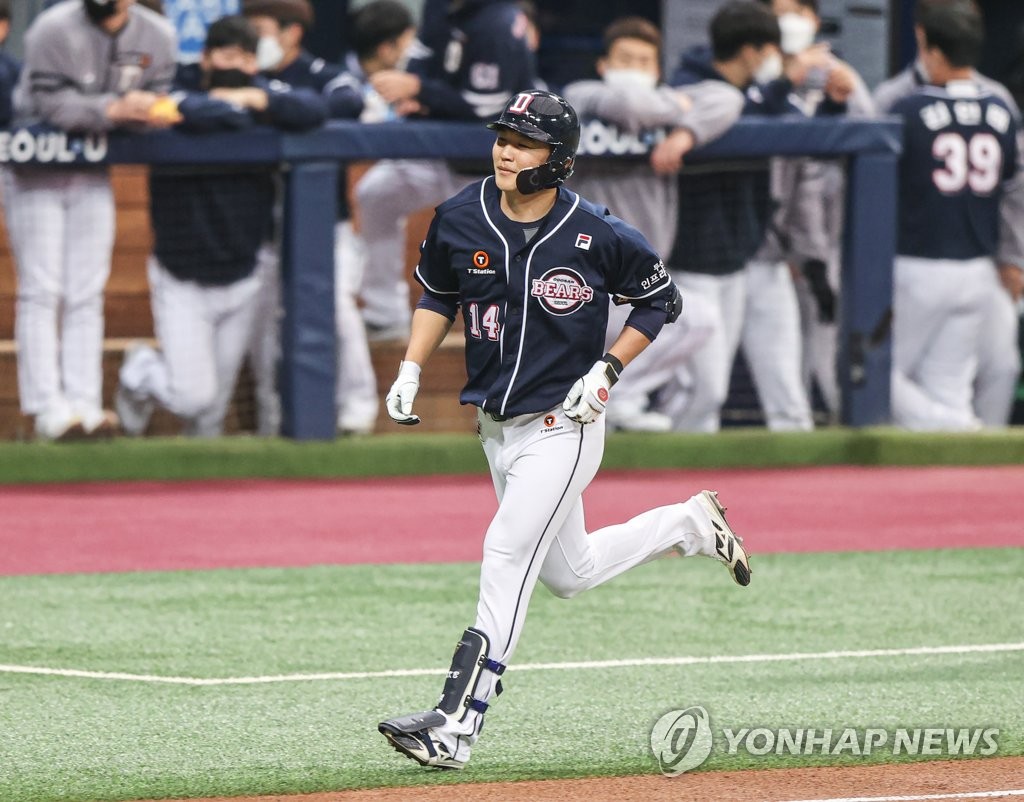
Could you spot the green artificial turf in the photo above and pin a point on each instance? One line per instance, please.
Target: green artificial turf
(72, 738)
(405, 453)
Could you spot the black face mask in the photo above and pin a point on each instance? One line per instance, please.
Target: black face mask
(99, 10)
(228, 79)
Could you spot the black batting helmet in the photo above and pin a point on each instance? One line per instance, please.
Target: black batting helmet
(545, 117)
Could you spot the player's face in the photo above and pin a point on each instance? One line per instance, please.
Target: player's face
(513, 152)
(630, 54)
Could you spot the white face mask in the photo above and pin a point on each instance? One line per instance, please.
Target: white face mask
(269, 53)
(797, 33)
(630, 79)
(770, 69)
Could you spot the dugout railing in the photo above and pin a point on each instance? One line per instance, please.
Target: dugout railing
(310, 165)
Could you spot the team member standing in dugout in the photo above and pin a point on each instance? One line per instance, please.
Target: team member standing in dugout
(968, 210)
(533, 266)
(211, 232)
(90, 66)
(998, 361)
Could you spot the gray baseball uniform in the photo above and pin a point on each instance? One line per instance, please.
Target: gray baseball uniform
(61, 221)
(648, 202)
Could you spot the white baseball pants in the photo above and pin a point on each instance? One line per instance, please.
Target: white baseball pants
(356, 393)
(709, 367)
(540, 465)
(386, 195)
(999, 364)
(204, 334)
(265, 349)
(938, 313)
(772, 345)
(61, 226)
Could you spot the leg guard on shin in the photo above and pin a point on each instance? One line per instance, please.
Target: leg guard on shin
(420, 736)
(468, 663)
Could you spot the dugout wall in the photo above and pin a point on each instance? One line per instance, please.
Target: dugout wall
(309, 162)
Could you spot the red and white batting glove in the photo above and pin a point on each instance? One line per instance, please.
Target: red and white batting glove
(588, 397)
(402, 393)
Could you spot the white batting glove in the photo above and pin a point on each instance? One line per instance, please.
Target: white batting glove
(588, 397)
(403, 393)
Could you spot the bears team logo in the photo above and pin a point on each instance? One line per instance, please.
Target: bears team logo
(561, 291)
(521, 103)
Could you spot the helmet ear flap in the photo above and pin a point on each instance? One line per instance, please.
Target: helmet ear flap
(547, 176)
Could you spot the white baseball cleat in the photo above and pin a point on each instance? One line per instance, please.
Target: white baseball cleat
(410, 736)
(56, 423)
(133, 411)
(728, 545)
(97, 424)
(134, 408)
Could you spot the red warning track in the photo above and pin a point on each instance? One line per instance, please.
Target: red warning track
(220, 524)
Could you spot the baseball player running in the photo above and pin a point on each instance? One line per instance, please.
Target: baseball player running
(533, 265)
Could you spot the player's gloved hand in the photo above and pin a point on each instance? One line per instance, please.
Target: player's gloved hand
(588, 397)
(403, 393)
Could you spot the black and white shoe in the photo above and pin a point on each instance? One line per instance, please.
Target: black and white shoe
(728, 546)
(410, 735)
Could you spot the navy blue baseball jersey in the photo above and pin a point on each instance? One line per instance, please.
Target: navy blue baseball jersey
(535, 296)
(344, 100)
(959, 148)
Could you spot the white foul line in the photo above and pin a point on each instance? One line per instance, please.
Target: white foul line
(968, 795)
(982, 648)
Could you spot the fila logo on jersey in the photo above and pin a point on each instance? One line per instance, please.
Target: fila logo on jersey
(561, 291)
(583, 241)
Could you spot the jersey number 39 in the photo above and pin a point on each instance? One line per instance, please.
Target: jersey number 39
(976, 163)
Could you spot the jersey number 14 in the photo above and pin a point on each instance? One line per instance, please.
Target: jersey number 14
(976, 163)
(487, 322)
